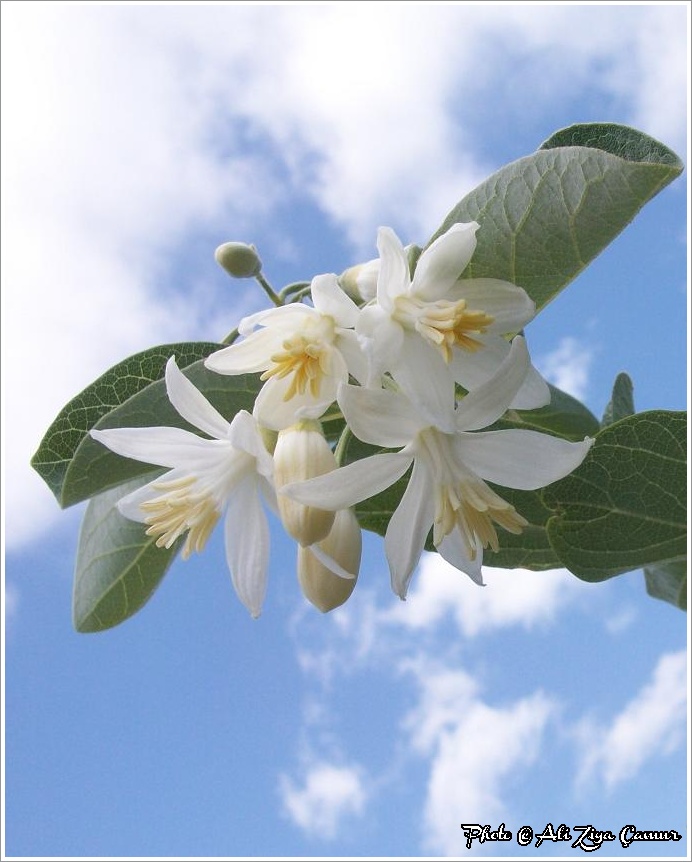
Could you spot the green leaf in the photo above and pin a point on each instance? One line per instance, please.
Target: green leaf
(94, 468)
(543, 218)
(668, 582)
(118, 566)
(621, 403)
(624, 507)
(117, 385)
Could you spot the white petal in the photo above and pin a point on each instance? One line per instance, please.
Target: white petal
(192, 405)
(393, 279)
(285, 317)
(408, 528)
(274, 411)
(381, 339)
(348, 345)
(348, 485)
(520, 459)
(248, 356)
(245, 436)
(379, 416)
(328, 298)
(510, 306)
(442, 263)
(453, 549)
(425, 378)
(484, 405)
(167, 447)
(473, 369)
(330, 563)
(247, 546)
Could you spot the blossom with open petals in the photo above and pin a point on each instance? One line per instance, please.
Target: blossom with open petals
(448, 488)
(304, 353)
(230, 473)
(436, 328)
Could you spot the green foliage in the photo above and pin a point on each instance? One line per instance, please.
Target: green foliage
(120, 383)
(624, 507)
(621, 403)
(118, 566)
(546, 216)
(668, 581)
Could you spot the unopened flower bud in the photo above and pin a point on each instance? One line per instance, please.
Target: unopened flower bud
(343, 545)
(238, 259)
(302, 452)
(360, 282)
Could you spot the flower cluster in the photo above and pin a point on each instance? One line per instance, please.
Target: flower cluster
(418, 363)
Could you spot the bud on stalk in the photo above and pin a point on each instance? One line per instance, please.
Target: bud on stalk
(319, 584)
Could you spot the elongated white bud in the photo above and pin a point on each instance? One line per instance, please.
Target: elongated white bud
(320, 585)
(302, 452)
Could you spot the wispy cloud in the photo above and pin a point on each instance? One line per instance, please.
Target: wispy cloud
(327, 796)
(478, 754)
(650, 725)
(567, 367)
(511, 597)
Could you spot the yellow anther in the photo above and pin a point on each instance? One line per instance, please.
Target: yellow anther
(179, 509)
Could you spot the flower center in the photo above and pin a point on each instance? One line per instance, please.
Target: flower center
(181, 508)
(463, 500)
(306, 357)
(444, 323)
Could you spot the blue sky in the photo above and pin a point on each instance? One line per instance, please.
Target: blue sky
(135, 140)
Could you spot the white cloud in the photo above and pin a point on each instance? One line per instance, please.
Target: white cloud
(511, 597)
(567, 367)
(478, 753)
(651, 724)
(327, 796)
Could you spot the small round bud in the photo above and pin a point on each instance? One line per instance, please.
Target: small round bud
(320, 586)
(238, 259)
(360, 281)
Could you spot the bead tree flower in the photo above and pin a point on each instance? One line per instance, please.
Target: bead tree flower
(397, 397)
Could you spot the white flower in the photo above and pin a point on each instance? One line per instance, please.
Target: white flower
(304, 353)
(435, 328)
(206, 477)
(447, 488)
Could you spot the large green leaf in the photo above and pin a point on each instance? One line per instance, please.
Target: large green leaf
(543, 218)
(94, 468)
(624, 507)
(116, 386)
(118, 566)
(668, 581)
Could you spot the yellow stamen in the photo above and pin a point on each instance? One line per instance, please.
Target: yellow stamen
(444, 323)
(305, 359)
(179, 509)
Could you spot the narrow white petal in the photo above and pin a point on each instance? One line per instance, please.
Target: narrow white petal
(442, 263)
(324, 558)
(192, 405)
(453, 549)
(379, 416)
(348, 345)
(248, 356)
(348, 485)
(484, 405)
(393, 278)
(247, 546)
(425, 378)
(408, 528)
(509, 305)
(328, 298)
(534, 392)
(166, 447)
(284, 317)
(245, 437)
(521, 459)
(381, 340)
